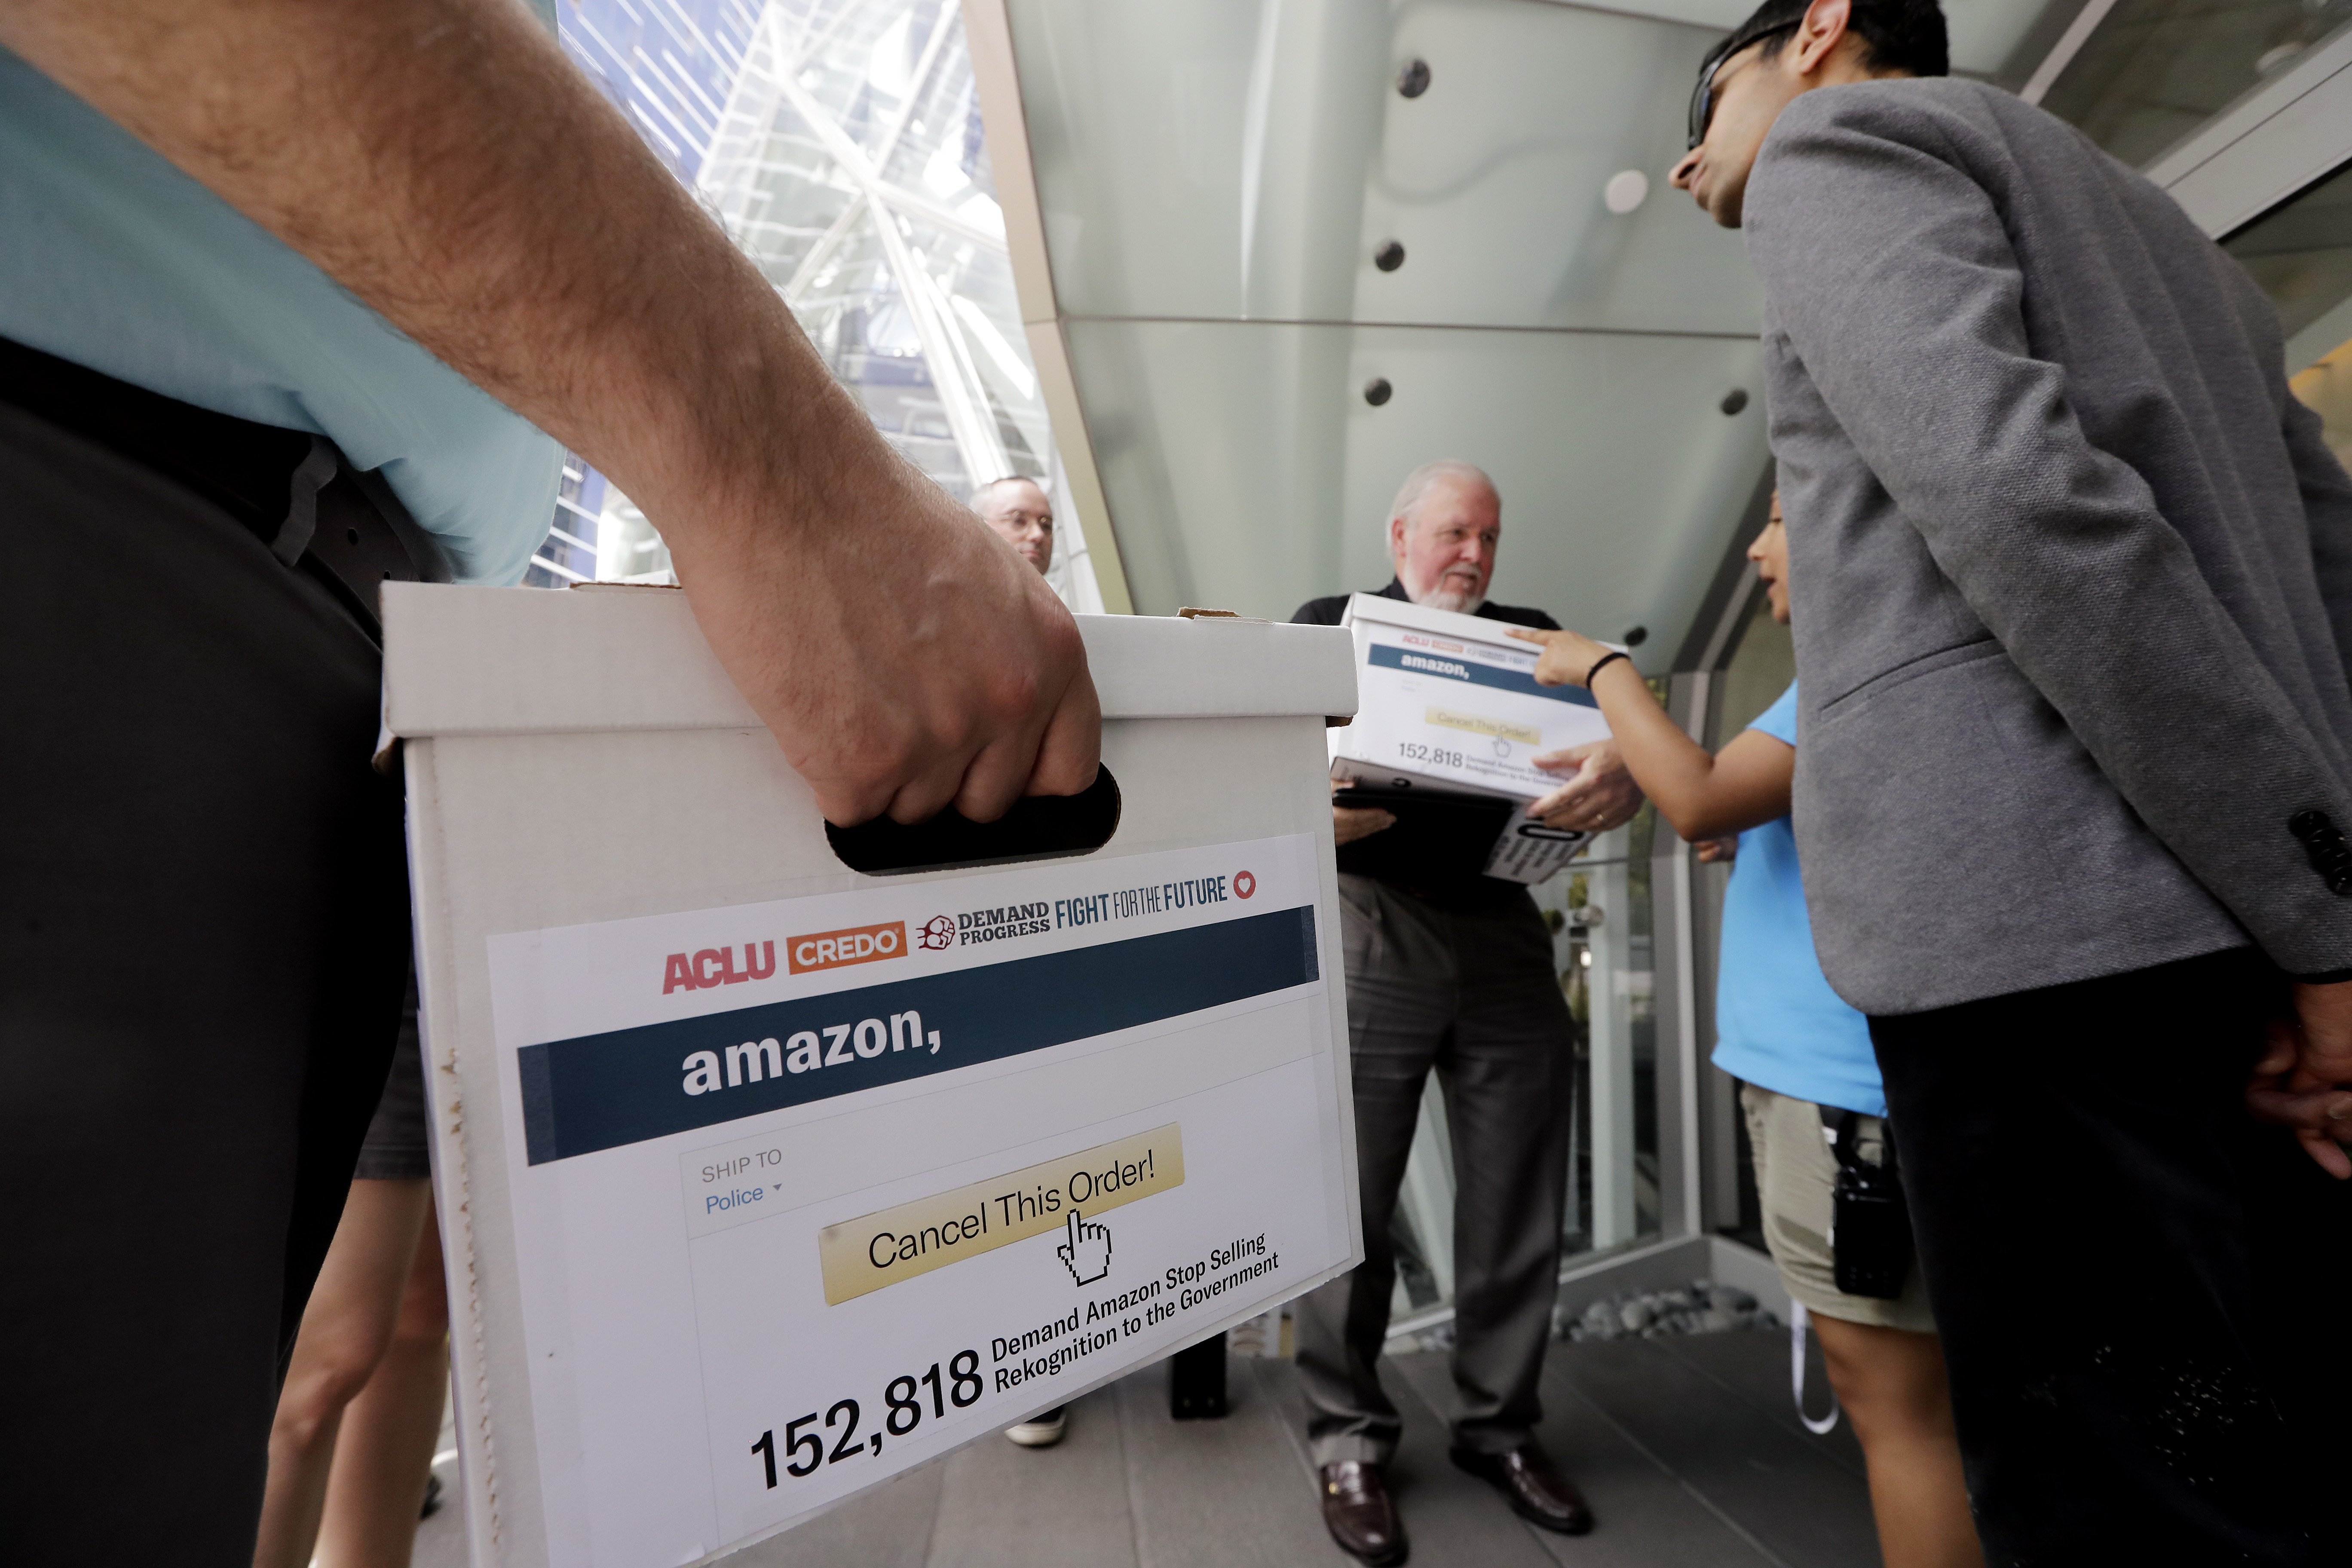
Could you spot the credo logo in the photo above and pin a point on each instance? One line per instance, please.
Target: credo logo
(939, 931)
(858, 945)
(1244, 884)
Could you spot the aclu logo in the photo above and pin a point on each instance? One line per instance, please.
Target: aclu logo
(856, 945)
(716, 966)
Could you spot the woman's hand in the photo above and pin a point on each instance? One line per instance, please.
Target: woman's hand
(1567, 656)
(1702, 796)
(2304, 1079)
(1601, 793)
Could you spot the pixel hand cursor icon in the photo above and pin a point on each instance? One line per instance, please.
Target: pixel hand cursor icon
(1087, 1253)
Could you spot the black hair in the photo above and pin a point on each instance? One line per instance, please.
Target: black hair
(1896, 35)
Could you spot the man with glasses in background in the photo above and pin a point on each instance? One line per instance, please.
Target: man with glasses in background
(1017, 512)
(2074, 572)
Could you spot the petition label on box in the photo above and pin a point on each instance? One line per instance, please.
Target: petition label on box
(877, 1250)
(1461, 712)
(828, 1185)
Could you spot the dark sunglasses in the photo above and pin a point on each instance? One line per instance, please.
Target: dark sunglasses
(1702, 104)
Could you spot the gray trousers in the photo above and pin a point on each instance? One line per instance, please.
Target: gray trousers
(1474, 996)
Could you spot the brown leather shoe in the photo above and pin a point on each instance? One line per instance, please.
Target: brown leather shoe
(1359, 1514)
(1538, 1491)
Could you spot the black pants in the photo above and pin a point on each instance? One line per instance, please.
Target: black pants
(202, 933)
(2144, 1294)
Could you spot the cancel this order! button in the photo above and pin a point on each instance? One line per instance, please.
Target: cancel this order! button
(864, 1255)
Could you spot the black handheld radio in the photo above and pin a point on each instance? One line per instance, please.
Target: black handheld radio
(1870, 1228)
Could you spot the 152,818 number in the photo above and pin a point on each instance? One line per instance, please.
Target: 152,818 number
(903, 1401)
(1414, 751)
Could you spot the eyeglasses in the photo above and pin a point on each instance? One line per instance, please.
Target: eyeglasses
(1702, 104)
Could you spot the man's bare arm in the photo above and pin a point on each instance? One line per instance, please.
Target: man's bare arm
(444, 162)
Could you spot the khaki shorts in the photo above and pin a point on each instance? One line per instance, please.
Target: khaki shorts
(1795, 1172)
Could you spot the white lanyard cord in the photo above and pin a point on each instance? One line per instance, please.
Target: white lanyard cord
(1798, 1319)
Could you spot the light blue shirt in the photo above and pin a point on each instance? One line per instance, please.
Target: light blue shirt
(1777, 1024)
(111, 257)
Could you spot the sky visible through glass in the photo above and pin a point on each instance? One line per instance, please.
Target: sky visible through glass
(839, 142)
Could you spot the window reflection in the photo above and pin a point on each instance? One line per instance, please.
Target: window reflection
(2155, 70)
(840, 143)
(1762, 664)
(2327, 389)
(2301, 253)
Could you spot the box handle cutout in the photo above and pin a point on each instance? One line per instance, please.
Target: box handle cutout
(1038, 828)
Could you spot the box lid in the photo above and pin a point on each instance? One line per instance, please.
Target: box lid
(485, 661)
(1421, 617)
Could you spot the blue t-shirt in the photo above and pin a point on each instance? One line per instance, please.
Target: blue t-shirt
(113, 258)
(1777, 1024)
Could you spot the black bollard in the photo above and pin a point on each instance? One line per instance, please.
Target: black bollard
(1196, 1381)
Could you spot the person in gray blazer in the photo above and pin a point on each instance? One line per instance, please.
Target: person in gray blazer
(2074, 572)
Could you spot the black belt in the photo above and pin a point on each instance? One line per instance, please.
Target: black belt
(295, 491)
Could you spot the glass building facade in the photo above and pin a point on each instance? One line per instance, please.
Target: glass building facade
(839, 141)
(2149, 72)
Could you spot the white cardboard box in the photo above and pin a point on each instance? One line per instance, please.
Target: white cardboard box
(1450, 702)
(689, 1072)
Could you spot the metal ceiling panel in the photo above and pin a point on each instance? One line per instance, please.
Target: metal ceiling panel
(1212, 187)
(1245, 473)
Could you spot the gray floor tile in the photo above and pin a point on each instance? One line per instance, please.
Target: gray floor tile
(1233, 1493)
(1755, 1366)
(1647, 1516)
(1454, 1521)
(1276, 1380)
(1686, 1448)
(441, 1540)
(889, 1526)
(1792, 1501)
(1001, 1506)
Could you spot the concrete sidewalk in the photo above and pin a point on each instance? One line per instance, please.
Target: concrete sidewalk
(1687, 1448)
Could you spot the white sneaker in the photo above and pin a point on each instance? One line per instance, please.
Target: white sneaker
(1041, 1430)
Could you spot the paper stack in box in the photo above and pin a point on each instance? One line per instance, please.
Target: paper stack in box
(1449, 707)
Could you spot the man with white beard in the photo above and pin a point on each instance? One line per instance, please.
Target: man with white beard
(1454, 971)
